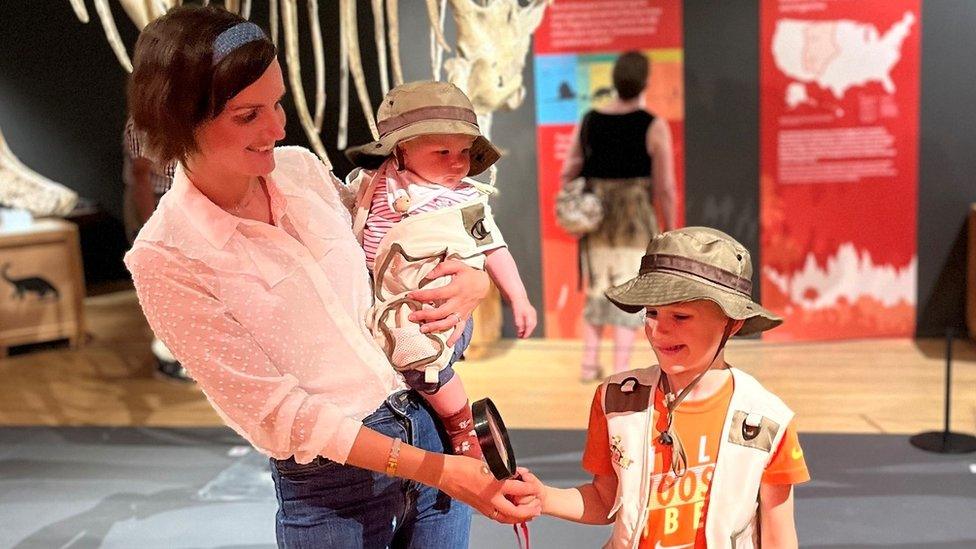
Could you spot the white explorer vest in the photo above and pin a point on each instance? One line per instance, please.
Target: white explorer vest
(754, 426)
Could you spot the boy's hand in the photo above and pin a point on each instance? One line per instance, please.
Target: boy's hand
(536, 489)
(525, 318)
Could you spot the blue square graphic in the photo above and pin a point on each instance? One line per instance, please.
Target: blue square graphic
(557, 89)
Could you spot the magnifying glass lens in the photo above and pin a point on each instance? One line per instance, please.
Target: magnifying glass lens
(493, 438)
(499, 438)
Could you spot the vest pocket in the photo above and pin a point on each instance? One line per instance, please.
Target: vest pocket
(753, 431)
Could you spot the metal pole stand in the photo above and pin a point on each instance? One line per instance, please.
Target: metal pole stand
(945, 441)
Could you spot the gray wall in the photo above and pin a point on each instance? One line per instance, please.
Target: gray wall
(62, 109)
(947, 165)
(722, 119)
(61, 96)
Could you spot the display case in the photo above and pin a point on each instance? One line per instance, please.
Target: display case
(42, 284)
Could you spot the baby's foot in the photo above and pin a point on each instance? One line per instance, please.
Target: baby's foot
(466, 444)
(460, 428)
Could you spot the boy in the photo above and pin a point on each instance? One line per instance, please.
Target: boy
(681, 452)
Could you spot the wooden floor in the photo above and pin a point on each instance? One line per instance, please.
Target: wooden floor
(872, 386)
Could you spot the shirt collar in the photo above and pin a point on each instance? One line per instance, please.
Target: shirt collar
(206, 217)
(209, 219)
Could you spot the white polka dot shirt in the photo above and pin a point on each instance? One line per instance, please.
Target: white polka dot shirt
(268, 319)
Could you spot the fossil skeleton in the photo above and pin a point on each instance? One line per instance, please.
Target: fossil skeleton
(22, 187)
(492, 43)
(493, 38)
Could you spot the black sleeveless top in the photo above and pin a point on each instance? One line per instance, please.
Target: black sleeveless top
(615, 145)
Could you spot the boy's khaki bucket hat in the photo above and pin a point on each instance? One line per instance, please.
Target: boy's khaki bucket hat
(421, 108)
(696, 263)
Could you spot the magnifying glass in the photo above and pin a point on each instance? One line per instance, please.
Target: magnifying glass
(497, 449)
(493, 439)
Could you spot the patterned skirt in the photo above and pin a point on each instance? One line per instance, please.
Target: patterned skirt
(611, 255)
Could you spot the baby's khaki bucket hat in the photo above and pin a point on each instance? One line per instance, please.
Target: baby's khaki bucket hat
(421, 108)
(696, 263)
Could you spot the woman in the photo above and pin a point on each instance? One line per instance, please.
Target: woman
(625, 154)
(250, 273)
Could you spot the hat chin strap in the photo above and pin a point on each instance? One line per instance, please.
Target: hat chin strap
(679, 460)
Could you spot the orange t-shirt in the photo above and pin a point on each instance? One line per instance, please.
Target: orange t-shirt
(676, 514)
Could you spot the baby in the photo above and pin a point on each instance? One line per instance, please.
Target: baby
(416, 208)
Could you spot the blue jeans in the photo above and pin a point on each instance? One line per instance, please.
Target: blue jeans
(325, 504)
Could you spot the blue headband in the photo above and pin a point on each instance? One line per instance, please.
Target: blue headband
(235, 37)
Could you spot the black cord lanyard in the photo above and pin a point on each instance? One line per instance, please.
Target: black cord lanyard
(669, 437)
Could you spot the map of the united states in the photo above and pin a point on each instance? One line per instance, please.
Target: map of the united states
(837, 55)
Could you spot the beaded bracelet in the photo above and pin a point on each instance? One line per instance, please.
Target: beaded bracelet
(391, 461)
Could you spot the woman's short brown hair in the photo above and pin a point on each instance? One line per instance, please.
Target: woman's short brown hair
(174, 85)
(630, 74)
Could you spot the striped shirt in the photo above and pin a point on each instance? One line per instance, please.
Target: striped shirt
(381, 218)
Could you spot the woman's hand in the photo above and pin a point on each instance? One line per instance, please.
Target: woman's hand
(470, 481)
(454, 302)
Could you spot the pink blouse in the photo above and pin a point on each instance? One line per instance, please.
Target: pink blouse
(270, 320)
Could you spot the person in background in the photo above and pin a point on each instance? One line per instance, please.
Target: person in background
(146, 181)
(624, 152)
